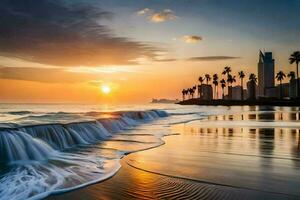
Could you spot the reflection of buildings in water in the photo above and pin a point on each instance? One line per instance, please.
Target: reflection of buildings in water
(251, 116)
(209, 130)
(281, 132)
(252, 108)
(266, 108)
(292, 116)
(230, 132)
(280, 116)
(266, 140)
(266, 116)
(252, 130)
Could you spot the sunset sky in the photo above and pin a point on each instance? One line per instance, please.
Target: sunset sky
(67, 50)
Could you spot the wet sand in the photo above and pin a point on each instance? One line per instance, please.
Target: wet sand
(241, 156)
(134, 183)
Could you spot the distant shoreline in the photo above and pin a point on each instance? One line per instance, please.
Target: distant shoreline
(221, 102)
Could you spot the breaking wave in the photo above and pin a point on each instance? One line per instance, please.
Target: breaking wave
(38, 159)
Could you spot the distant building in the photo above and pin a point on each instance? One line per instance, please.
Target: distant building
(251, 88)
(229, 95)
(245, 94)
(236, 92)
(206, 92)
(285, 90)
(271, 92)
(266, 74)
(293, 88)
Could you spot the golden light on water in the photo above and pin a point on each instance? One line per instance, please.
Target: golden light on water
(105, 89)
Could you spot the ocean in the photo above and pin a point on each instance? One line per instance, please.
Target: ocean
(48, 149)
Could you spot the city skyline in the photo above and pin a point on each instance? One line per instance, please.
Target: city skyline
(266, 84)
(165, 44)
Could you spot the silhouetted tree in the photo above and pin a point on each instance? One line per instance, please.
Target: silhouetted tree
(280, 76)
(192, 91)
(216, 82)
(200, 79)
(242, 76)
(223, 85)
(292, 75)
(207, 78)
(253, 78)
(253, 81)
(226, 70)
(295, 58)
(183, 94)
(187, 92)
(231, 79)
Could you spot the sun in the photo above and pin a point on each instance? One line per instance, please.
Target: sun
(105, 89)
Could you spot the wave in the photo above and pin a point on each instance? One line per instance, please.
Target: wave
(43, 158)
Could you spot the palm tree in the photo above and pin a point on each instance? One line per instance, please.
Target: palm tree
(183, 94)
(186, 92)
(227, 70)
(231, 79)
(200, 79)
(192, 91)
(295, 58)
(280, 76)
(291, 75)
(208, 78)
(215, 82)
(223, 85)
(253, 80)
(242, 76)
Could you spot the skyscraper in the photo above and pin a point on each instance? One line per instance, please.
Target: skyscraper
(266, 75)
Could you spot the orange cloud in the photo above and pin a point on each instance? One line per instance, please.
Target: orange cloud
(162, 16)
(192, 39)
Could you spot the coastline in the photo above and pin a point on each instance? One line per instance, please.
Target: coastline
(130, 182)
(220, 102)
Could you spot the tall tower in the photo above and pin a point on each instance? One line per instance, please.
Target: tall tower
(266, 65)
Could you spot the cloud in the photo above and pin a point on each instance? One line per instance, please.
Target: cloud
(212, 58)
(191, 38)
(162, 16)
(165, 59)
(144, 11)
(44, 75)
(63, 75)
(103, 70)
(64, 34)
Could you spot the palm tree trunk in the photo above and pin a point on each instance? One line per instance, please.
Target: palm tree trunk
(242, 90)
(215, 91)
(280, 89)
(297, 84)
(223, 93)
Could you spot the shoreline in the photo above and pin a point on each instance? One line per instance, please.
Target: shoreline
(220, 102)
(130, 182)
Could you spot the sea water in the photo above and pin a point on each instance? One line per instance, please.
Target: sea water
(48, 149)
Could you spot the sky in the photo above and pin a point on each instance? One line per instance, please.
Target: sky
(65, 51)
